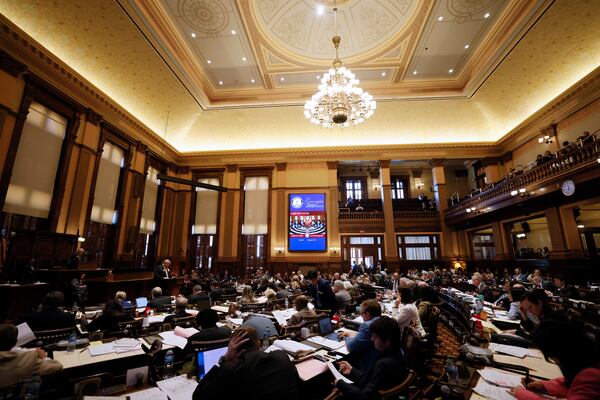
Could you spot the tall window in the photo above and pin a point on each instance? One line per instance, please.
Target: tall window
(483, 245)
(418, 247)
(33, 176)
(354, 188)
(256, 225)
(399, 188)
(204, 229)
(146, 242)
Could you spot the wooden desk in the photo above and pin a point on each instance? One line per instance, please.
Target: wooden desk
(538, 366)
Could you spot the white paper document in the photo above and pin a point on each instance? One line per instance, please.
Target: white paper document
(169, 337)
(185, 332)
(283, 315)
(156, 319)
(291, 346)
(337, 374)
(101, 349)
(310, 368)
(148, 394)
(178, 388)
(235, 321)
(328, 343)
(222, 309)
(491, 391)
(25, 334)
(514, 351)
(500, 378)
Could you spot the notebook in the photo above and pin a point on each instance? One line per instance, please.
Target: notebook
(205, 360)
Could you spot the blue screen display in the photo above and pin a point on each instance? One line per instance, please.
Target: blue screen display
(307, 229)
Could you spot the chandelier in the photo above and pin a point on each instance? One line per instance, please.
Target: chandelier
(339, 101)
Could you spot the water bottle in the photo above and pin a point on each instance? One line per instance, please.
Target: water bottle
(72, 342)
(479, 304)
(32, 388)
(265, 339)
(451, 371)
(287, 303)
(168, 367)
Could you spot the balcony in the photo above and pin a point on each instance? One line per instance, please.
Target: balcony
(581, 164)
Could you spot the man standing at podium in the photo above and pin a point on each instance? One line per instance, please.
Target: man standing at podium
(162, 272)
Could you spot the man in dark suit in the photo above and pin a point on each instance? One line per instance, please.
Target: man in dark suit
(158, 300)
(162, 271)
(51, 315)
(246, 372)
(207, 320)
(321, 293)
(198, 296)
(180, 305)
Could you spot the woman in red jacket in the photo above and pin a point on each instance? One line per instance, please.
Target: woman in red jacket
(576, 353)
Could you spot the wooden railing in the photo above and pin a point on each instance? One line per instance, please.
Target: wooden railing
(586, 155)
(361, 215)
(419, 214)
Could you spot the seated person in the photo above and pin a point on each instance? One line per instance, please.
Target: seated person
(108, 321)
(301, 306)
(121, 297)
(360, 345)
(158, 300)
(282, 291)
(180, 306)
(198, 295)
(561, 288)
(248, 295)
(534, 309)
(408, 315)
(429, 299)
(341, 294)
(481, 287)
(246, 372)
(19, 364)
(567, 344)
(207, 321)
(515, 295)
(262, 325)
(51, 315)
(228, 289)
(389, 369)
(215, 292)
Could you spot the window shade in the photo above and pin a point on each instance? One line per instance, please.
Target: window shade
(207, 206)
(256, 191)
(34, 172)
(107, 184)
(147, 223)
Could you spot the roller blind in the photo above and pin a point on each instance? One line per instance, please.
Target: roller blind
(34, 172)
(256, 192)
(107, 185)
(147, 223)
(207, 205)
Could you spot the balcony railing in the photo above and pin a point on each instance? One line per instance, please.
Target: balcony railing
(361, 215)
(579, 157)
(398, 215)
(419, 214)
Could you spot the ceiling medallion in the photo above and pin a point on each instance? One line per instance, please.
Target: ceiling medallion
(339, 102)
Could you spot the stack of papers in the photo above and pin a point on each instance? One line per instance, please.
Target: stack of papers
(491, 391)
(337, 375)
(514, 351)
(118, 346)
(327, 343)
(500, 378)
(283, 315)
(178, 388)
(185, 332)
(292, 347)
(310, 368)
(148, 394)
(25, 334)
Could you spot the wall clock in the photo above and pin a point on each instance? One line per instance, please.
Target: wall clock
(567, 187)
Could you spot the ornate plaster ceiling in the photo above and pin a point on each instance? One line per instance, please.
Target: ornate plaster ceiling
(143, 55)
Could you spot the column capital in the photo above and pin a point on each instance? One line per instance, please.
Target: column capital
(92, 117)
(332, 164)
(437, 162)
(231, 167)
(281, 166)
(384, 163)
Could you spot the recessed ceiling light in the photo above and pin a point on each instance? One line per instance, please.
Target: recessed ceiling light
(466, 46)
(208, 61)
(383, 73)
(320, 9)
(415, 72)
(193, 35)
(486, 15)
(243, 58)
(318, 76)
(440, 18)
(220, 82)
(581, 226)
(233, 32)
(252, 80)
(282, 79)
(450, 71)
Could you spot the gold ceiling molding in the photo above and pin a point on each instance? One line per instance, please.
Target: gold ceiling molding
(583, 93)
(594, 107)
(47, 66)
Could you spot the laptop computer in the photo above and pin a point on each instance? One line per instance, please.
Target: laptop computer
(141, 303)
(326, 330)
(207, 359)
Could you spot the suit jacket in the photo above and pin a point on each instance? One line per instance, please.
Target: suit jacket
(198, 297)
(107, 322)
(160, 273)
(169, 318)
(388, 371)
(255, 375)
(160, 301)
(16, 366)
(361, 348)
(323, 296)
(205, 335)
(49, 318)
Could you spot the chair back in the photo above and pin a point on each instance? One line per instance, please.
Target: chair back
(277, 304)
(53, 335)
(209, 344)
(12, 392)
(394, 392)
(202, 304)
(184, 322)
(412, 343)
(249, 307)
(228, 297)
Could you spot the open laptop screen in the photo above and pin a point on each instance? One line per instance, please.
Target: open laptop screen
(141, 302)
(207, 359)
(325, 326)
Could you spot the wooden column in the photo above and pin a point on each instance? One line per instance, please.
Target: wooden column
(501, 244)
(571, 233)
(448, 246)
(279, 225)
(390, 245)
(559, 248)
(230, 214)
(333, 231)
